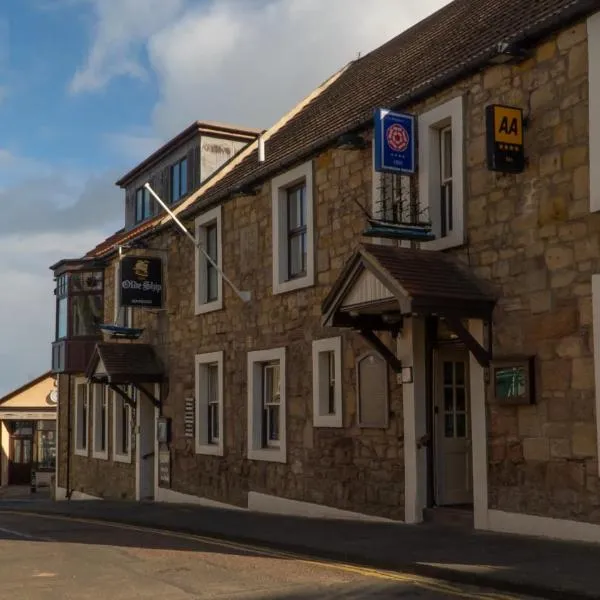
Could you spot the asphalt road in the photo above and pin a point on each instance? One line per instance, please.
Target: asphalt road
(58, 558)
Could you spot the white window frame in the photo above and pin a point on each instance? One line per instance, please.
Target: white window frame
(431, 123)
(321, 418)
(127, 310)
(202, 222)
(202, 444)
(77, 448)
(279, 187)
(256, 450)
(593, 32)
(116, 405)
(100, 392)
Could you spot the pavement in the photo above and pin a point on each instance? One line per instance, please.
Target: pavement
(515, 564)
(48, 557)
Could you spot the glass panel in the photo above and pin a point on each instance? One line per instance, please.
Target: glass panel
(448, 373)
(183, 178)
(211, 241)
(174, 183)
(461, 400)
(297, 254)
(27, 447)
(273, 423)
(23, 428)
(139, 205)
(459, 371)
(147, 203)
(17, 454)
(461, 425)
(46, 449)
(62, 318)
(86, 312)
(296, 208)
(448, 399)
(124, 446)
(447, 154)
(331, 380)
(449, 425)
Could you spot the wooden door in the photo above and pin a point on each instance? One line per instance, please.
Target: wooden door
(453, 470)
(20, 460)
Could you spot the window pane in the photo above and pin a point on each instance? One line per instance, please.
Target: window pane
(62, 317)
(297, 254)
(448, 399)
(212, 376)
(46, 449)
(139, 205)
(331, 380)
(449, 425)
(147, 204)
(448, 372)
(459, 370)
(460, 399)
(273, 433)
(211, 241)
(446, 154)
(461, 425)
(296, 208)
(212, 279)
(86, 312)
(183, 178)
(174, 183)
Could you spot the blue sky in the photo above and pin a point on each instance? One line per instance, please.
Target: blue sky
(88, 88)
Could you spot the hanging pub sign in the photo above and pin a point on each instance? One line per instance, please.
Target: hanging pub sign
(141, 282)
(504, 139)
(394, 141)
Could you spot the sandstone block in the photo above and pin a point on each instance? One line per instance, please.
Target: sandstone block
(556, 374)
(537, 449)
(583, 373)
(578, 61)
(574, 157)
(581, 182)
(570, 347)
(540, 302)
(551, 210)
(572, 36)
(546, 51)
(584, 440)
(559, 257)
(560, 448)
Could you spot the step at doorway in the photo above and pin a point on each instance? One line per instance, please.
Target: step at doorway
(460, 515)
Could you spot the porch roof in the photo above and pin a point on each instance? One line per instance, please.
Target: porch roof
(416, 282)
(124, 363)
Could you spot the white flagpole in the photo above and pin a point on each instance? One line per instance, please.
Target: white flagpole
(243, 295)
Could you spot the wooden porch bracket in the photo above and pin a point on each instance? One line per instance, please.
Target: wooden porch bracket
(378, 345)
(482, 356)
(117, 390)
(151, 397)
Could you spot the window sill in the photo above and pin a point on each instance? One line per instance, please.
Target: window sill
(122, 458)
(456, 240)
(277, 455)
(331, 421)
(282, 287)
(209, 449)
(81, 452)
(207, 307)
(100, 455)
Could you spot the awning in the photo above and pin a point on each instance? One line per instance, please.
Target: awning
(124, 363)
(381, 283)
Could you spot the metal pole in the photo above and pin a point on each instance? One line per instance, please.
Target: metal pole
(243, 295)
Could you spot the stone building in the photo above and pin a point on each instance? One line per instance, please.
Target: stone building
(377, 369)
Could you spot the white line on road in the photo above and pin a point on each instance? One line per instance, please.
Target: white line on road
(21, 534)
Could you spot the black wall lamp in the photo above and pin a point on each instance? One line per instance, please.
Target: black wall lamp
(351, 141)
(508, 53)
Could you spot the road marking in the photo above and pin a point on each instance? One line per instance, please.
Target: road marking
(21, 534)
(429, 583)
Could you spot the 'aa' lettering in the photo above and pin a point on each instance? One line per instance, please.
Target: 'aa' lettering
(511, 128)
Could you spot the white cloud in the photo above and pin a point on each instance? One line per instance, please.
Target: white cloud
(242, 61)
(122, 26)
(134, 147)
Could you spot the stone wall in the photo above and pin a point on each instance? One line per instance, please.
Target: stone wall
(94, 476)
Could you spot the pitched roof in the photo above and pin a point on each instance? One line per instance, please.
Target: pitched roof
(449, 44)
(423, 281)
(124, 363)
(436, 51)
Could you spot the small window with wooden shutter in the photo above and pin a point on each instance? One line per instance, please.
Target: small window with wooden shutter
(372, 391)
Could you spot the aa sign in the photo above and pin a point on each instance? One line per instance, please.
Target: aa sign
(505, 138)
(508, 125)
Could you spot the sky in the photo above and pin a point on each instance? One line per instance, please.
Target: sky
(88, 88)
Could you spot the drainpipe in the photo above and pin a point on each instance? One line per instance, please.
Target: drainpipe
(68, 491)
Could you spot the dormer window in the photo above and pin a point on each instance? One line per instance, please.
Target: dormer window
(143, 205)
(179, 180)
